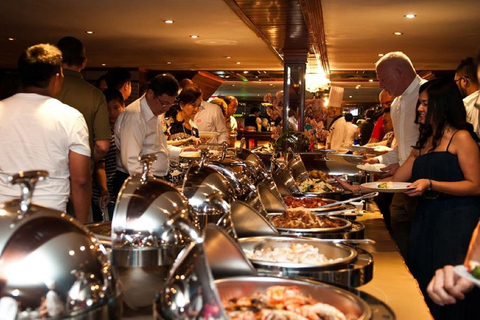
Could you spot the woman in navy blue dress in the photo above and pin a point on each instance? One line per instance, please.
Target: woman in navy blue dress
(444, 167)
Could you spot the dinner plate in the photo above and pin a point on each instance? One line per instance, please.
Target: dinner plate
(393, 186)
(363, 149)
(462, 271)
(375, 167)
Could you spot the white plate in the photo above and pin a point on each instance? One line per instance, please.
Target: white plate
(208, 134)
(375, 167)
(394, 187)
(363, 149)
(462, 271)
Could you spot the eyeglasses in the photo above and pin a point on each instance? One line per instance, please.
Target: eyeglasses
(164, 103)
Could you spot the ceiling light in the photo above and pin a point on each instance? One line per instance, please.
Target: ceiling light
(371, 80)
(259, 80)
(238, 62)
(228, 57)
(380, 54)
(104, 64)
(398, 33)
(350, 97)
(245, 72)
(194, 36)
(233, 85)
(410, 16)
(169, 62)
(271, 84)
(168, 21)
(11, 39)
(357, 86)
(89, 32)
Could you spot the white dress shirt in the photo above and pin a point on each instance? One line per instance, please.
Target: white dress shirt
(351, 132)
(137, 132)
(210, 119)
(403, 113)
(337, 134)
(472, 111)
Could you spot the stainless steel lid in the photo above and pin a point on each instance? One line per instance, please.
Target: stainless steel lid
(150, 215)
(50, 264)
(190, 291)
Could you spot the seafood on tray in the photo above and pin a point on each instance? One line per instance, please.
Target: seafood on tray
(280, 302)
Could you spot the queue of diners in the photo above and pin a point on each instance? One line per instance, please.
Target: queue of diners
(171, 207)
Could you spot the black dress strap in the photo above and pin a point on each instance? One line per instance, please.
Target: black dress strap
(451, 138)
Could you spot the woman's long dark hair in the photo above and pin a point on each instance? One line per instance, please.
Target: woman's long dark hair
(445, 106)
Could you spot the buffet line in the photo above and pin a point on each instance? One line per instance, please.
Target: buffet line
(247, 236)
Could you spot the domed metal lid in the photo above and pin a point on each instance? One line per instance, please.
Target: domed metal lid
(50, 265)
(145, 204)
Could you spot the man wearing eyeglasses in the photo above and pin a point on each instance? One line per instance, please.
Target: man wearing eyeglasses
(139, 130)
(467, 82)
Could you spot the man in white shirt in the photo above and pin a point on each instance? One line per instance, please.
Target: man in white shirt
(398, 77)
(210, 119)
(467, 82)
(139, 130)
(41, 133)
(337, 134)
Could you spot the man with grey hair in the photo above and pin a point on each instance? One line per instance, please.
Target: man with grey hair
(398, 78)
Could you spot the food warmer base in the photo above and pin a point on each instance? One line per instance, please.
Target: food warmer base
(380, 310)
(355, 274)
(356, 231)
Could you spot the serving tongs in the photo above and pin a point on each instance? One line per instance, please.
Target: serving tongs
(365, 196)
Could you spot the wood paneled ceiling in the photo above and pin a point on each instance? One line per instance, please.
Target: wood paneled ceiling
(248, 35)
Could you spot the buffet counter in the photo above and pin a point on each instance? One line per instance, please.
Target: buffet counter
(392, 282)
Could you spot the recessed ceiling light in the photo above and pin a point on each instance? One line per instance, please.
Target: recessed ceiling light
(227, 76)
(371, 80)
(357, 87)
(398, 33)
(259, 80)
(104, 64)
(350, 97)
(194, 36)
(410, 15)
(11, 39)
(169, 62)
(245, 72)
(233, 85)
(238, 62)
(271, 84)
(228, 57)
(168, 21)
(89, 32)
(380, 54)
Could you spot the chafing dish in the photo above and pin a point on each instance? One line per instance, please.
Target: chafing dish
(210, 194)
(51, 266)
(334, 164)
(336, 255)
(348, 303)
(152, 223)
(296, 166)
(190, 291)
(248, 222)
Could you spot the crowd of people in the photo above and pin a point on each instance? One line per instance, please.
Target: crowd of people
(90, 142)
(85, 136)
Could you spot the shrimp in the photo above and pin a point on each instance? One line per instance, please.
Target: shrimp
(321, 311)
